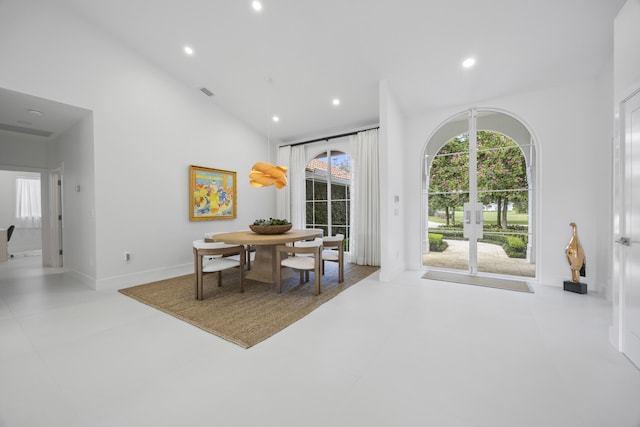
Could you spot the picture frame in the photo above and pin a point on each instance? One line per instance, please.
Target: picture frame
(212, 194)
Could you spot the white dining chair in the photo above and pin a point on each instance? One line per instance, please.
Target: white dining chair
(311, 260)
(250, 250)
(334, 251)
(209, 257)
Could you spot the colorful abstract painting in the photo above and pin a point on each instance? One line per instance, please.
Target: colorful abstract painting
(212, 194)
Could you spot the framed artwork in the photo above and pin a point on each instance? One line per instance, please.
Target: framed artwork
(212, 194)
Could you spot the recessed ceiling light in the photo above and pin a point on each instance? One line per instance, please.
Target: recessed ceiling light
(275, 119)
(335, 102)
(188, 50)
(257, 6)
(34, 112)
(469, 62)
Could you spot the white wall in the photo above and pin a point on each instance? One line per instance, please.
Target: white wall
(392, 189)
(604, 217)
(7, 198)
(147, 130)
(19, 152)
(72, 153)
(574, 154)
(626, 52)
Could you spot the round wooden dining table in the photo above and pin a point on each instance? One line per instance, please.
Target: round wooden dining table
(263, 268)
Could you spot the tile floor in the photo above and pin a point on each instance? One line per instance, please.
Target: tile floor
(405, 353)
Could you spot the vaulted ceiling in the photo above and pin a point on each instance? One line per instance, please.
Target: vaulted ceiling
(295, 56)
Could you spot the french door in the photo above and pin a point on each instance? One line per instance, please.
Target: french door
(479, 196)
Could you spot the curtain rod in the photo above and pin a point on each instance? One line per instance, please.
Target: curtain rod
(326, 138)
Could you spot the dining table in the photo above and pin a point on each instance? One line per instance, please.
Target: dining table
(263, 268)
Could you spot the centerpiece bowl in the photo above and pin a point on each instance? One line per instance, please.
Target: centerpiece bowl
(270, 229)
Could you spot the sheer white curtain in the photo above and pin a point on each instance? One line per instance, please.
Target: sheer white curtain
(298, 186)
(283, 196)
(365, 222)
(28, 205)
(291, 199)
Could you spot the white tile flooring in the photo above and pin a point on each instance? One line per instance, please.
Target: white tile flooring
(406, 353)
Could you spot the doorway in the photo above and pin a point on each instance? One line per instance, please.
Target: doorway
(20, 206)
(479, 196)
(52, 134)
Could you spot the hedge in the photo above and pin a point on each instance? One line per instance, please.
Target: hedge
(514, 246)
(436, 244)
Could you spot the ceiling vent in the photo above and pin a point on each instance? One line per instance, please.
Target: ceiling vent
(206, 91)
(28, 131)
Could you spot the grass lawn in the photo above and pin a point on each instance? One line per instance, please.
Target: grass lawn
(513, 218)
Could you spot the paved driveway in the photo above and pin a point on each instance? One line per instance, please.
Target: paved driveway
(491, 259)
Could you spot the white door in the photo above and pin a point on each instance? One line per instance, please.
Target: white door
(56, 218)
(630, 236)
(59, 219)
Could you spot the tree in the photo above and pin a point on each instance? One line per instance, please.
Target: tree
(449, 178)
(501, 169)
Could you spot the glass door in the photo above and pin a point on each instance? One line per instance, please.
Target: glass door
(479, 193)
(446, 185)
(505, 195)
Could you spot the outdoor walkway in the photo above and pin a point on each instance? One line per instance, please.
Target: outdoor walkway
(491, 259)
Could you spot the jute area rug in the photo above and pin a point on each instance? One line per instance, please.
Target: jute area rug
(468, 279)
(250, 317)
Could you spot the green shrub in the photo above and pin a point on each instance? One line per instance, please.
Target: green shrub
(499, 239)
(450, 232)
(516, 247)
(436, 244)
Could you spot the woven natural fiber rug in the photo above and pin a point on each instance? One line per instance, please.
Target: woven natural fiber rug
(468, 279)
(250, 317)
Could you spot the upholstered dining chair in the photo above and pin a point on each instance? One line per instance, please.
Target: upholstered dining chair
(311, 260)
(249, 256)
(209, 257)
(334, 251)
(251, 253)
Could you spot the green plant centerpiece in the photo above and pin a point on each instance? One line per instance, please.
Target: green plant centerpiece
(270, 226)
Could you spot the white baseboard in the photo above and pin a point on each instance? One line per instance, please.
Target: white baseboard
(35, 252)
(81, 277)
(139, 278)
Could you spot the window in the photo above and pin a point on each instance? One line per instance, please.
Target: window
(28, 204)
(328, 195)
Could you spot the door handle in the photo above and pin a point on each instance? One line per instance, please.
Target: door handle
(478, 217)
(624, 241)
(467, 217)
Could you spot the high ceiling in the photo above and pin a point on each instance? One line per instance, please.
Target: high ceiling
(294, 57)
